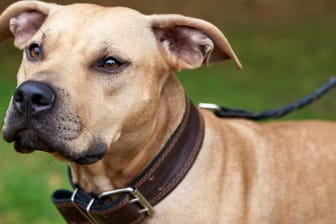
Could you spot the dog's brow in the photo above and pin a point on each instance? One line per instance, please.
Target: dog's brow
(105, 45)
(104, 49)
(107, 48)
(44, 35)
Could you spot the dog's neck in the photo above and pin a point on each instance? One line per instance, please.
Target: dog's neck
(119, 167)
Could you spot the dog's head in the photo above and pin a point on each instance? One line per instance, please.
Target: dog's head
(88, 72)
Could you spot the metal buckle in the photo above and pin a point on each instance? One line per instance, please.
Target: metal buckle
(87, 215)
(137, 198)
(209, 106)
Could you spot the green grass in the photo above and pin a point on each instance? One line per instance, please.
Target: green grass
(282, 62)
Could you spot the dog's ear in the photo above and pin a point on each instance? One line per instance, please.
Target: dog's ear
(23, 19)
(189, 42)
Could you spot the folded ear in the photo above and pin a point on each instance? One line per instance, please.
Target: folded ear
(23, 19)
(189, 43)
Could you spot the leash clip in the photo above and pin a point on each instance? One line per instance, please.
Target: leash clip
(209, 106)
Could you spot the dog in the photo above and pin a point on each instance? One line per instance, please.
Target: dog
(97, 89)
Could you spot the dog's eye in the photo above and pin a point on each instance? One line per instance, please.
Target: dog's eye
(34, 52)
(111, 63)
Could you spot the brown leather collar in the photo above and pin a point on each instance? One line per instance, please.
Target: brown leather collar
(134, 203)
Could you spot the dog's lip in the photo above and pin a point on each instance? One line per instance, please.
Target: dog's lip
(95, 152)
(10, 136)
(15, 135)
(23, 149)
(19, 148)
(89, 159)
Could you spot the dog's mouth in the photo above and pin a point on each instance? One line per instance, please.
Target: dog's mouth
(29, 140)
(26, 142)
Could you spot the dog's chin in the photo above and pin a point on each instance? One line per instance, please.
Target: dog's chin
(96, 151)
(83, 160)
(28, 141)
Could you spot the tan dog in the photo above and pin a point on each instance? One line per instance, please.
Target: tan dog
(97, 88)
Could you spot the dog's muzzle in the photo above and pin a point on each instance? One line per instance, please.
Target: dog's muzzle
(31, 101)
(40, 118)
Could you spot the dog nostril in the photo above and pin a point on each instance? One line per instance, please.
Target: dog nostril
(41, 100)
(18, 96)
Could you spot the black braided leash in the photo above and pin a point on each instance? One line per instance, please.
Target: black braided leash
(274, 113)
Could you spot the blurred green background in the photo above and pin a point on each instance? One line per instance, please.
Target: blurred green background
(287, 47)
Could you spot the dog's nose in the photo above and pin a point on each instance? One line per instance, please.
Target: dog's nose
(33, 97)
